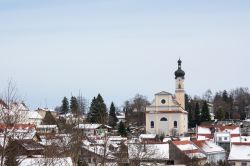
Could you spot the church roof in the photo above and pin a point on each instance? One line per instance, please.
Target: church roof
(163, 93)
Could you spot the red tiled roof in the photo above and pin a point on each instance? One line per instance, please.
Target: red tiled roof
(241, 143)
(17, 126)
(181, 142)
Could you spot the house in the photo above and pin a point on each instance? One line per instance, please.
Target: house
(213, 152)
(42, 112)
(43, 129)
(149, 153)
(95, 151)
(246, 127)
(27, 147)
(94, 129)
(166, 115)
(121, 117)
(220, 134)
(239, 154)
(186, 152)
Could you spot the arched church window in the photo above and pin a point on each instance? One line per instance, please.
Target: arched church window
(175, 124)
(152, 124)
(163, 119)
(179, 86)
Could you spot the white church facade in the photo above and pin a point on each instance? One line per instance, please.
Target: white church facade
(166, 115)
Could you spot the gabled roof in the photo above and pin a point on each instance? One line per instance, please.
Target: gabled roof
(240, 152)
(163, 93)
(208, 146)
(190, 149)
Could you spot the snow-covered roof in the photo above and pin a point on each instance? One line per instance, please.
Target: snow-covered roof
(240, 152)
(147, 136)
(46, 126)
(66, 161)
(222, 134)
(91, 126)
(187, 147)
(166, 139)
(148, 151)
(120, 116)
(208, 146)
(33, 115)
(203, 130)
(184, 138)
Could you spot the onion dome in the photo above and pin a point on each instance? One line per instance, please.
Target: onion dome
(179, 72)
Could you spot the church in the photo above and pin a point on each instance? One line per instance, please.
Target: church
(166, 115)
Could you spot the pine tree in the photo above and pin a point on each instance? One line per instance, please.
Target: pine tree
(98, 111)
(74, 107)
(122, 129)
(205, 116)
(197, 113)
(49, 119)
(112, 116)
(220, 114)
(65, 106)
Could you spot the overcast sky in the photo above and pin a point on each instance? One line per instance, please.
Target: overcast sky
(54, 48)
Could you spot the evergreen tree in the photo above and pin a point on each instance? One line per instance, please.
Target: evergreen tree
(220, 114)
(98, 111)
(205, 116)
(122, 129)
(225, 96)
(49, 119)
(74, 107)
(197, 113)
(65, 106)
(112, 116)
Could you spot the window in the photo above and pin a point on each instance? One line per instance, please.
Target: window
(152, 124)
(163, 119)
(225, 138)
(163, 101)
(179, 86)
(243, 164)
(220, 139)
(175, 124)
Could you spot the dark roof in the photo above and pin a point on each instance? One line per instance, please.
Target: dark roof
(179, 72)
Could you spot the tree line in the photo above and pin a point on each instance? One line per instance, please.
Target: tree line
(233, 104)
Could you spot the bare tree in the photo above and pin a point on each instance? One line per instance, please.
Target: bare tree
(10, 116)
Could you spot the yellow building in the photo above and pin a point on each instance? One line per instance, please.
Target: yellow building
(167, 115)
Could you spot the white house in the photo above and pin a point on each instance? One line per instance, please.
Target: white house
(213, 152)
(239, 154)
(93, 129)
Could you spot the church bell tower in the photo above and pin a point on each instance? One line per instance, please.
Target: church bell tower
(179, 85)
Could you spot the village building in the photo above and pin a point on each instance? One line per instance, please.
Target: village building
(93, 129)
(239, 154)
(213, 152)
(166, 115)
(186, 152)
